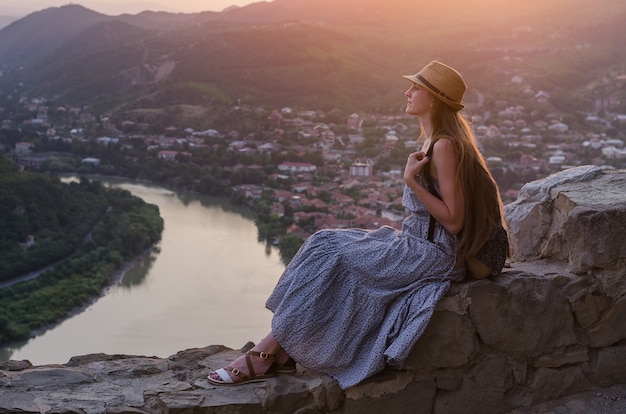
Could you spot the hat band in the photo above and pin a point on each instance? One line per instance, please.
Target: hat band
(433, 88)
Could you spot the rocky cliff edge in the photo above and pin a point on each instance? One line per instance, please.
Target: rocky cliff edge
(551, 326)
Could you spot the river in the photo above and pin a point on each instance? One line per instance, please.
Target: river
(204, 284)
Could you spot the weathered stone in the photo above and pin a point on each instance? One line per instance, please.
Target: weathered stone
(530, 216)
(609, 365)
(562, 357)
(417, 397)
(389, 381)
(315, 396)
(575, 215)
(456, 302)
(19, 402)
(15, 365)
(613, 281)
(89, 358)
(580, 286)
(571, 214)
(587, 311)
(519, 368)
(591, 235)
(611, 328)
(448, 379)
(126, 410)
(525, 315)
(449, 341)
(326, 394)
(189, 357)
(550, 383)
(48, 378)
(482, 389)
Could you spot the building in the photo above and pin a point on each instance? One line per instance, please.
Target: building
(171, 155)
(297, 167)
(23, 147)
(90, 161)
(362, 169)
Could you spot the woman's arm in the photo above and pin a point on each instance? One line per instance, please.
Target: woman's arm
(449, 211)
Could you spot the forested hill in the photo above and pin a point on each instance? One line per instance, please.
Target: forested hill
(43, 220)
(55, 216)
(87, 231)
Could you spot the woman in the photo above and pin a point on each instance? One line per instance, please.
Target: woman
(352, 301)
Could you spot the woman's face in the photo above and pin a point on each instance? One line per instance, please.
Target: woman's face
(419, 100)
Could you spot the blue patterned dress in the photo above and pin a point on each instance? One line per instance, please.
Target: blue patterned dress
(354, 300)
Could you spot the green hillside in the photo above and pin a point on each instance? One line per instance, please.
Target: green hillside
(86, 230)
(57, 216)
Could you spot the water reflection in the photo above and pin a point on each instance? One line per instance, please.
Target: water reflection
(139, 269)
(206, 283)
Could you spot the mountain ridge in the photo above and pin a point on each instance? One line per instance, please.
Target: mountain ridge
(307, 52)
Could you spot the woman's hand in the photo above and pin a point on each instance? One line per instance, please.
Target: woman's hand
(414, 165)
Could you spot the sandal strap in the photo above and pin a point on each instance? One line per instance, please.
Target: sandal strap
(262, 355)
(236, 372)
(223, 373)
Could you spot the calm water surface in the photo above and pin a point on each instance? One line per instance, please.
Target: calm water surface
(206, 283)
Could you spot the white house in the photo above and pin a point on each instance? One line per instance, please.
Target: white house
(362, 169)
(558, 127)
(23, 147)
(90, 161)
(297, 167)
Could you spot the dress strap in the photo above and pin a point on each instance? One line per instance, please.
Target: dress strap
(433, 191)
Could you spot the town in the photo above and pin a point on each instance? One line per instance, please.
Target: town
(321, 169)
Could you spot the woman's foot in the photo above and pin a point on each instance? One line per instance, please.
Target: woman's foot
(251, 367)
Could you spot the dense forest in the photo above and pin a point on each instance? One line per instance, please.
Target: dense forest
(55, 216)
(88, 230)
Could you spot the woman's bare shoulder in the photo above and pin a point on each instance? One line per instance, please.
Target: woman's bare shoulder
(444, 145)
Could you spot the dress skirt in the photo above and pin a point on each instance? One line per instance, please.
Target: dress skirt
(352, 301)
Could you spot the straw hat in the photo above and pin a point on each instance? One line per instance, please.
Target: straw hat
(444, 82)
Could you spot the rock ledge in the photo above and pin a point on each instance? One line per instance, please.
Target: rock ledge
(552, 325)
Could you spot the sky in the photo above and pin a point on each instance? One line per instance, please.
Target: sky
(21, 8)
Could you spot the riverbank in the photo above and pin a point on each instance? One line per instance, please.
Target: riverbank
(114, 278)
(125, 226)
(174, 298)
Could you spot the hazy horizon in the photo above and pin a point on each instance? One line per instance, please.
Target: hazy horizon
(19, 8)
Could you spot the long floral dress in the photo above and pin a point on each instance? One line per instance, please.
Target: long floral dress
(352, 301)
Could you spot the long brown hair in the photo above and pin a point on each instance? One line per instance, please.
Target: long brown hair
(483, 205)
